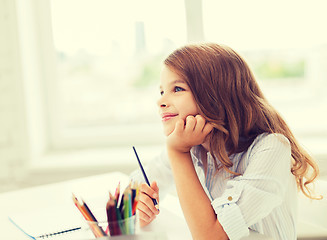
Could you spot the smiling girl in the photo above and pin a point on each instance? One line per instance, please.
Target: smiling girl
(235, 163)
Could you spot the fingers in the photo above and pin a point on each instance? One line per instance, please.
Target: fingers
(193, 132)
(190, 123)
(197, 124)
(179, 126)
(204, 126)
(207, 128)
(145, 214)
(147, 210)
(200, 123)
(145, 188)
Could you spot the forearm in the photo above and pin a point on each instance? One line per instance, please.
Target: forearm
(196, 206)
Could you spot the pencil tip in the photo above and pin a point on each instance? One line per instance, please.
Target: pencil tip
(110, 195)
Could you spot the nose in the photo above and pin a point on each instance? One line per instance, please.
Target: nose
(162, 102)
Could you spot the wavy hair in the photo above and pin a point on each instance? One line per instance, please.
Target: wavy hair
(229, 97)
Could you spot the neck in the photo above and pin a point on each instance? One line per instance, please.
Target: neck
(206, 145)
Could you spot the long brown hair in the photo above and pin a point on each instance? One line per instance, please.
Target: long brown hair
(229, 97)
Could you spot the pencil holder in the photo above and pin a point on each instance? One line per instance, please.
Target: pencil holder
(127, 226)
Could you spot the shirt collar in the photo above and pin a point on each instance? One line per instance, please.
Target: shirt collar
(196, 155)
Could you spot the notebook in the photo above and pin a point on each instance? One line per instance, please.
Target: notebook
(56, 223)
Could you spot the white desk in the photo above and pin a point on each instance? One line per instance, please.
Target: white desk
(94, 190)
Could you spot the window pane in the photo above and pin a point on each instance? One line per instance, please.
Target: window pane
(109, 56)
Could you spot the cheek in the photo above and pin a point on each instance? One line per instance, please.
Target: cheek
(190, 110)
(188, 107)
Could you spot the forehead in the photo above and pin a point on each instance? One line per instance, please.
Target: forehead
(169, 77)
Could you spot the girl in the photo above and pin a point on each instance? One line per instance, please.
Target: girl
(235, 163)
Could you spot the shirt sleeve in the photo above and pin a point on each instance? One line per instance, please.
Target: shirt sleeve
(252, 196)
(158, 169)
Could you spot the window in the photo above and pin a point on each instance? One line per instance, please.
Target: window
(108, 59)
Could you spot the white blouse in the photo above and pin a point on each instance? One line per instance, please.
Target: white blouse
(263, 198)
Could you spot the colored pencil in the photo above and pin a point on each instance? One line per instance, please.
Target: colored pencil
(92, 217)
(119, 219)
(120, 209)
(134, 204)
(145, 177)
(117, 192)
(95, 228)
(114, 228)
(126, 213)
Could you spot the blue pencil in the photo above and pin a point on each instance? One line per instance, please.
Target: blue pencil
(145, 177)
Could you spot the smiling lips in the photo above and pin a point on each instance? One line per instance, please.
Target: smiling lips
(167, 116)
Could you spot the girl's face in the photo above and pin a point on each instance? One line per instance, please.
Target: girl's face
(176, 100)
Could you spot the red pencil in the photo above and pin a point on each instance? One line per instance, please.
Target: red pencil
(117, 193)
(135, 202)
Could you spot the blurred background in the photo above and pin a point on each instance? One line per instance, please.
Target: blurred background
(79, 78)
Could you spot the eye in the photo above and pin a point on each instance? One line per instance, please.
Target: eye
(178, 89)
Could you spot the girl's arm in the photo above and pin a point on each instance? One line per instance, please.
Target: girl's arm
(196, 206)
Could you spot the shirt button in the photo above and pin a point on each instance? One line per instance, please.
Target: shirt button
(230, 198)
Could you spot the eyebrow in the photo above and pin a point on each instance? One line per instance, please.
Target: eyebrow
(178, 81)
(174, 82)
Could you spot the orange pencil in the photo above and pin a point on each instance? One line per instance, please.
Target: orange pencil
(93, 219)
(79, 207)
(95, 231)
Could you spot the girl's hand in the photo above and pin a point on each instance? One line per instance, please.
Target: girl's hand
(147, 210)
(186, 135)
